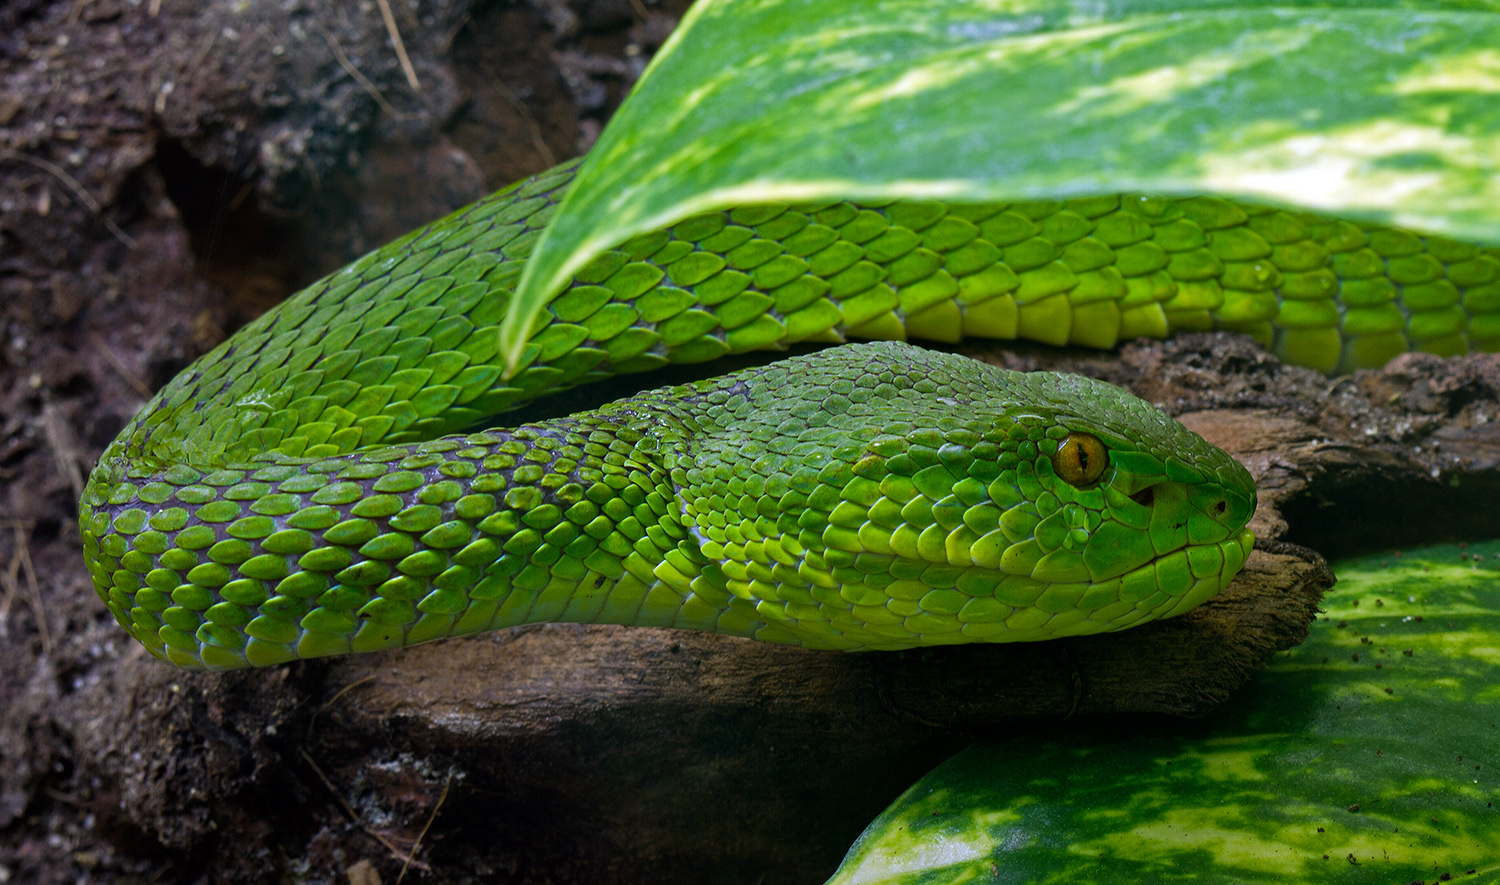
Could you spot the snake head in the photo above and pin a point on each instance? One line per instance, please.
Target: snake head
(924, 498)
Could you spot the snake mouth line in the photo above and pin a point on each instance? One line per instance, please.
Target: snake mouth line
(1022, 610)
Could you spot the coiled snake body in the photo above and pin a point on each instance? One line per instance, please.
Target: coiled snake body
(307, 488)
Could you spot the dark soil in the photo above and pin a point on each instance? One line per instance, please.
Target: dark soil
(169, 169)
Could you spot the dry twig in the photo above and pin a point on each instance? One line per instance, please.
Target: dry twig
(532, 125)
(390, 846)
(360, 78)
(430, 818)
(390, 26)
(60, 440)
(20, 565)
(8, 580)
(345, 690)
(130, 377)
(313, 720)
(72, 184)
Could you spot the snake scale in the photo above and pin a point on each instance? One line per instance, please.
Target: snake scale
(314, 485)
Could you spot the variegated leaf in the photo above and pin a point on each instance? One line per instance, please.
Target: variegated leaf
(1383, 111)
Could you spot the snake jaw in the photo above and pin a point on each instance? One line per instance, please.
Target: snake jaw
(935, 517)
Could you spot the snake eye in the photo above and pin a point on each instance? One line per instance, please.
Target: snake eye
(1080, 459)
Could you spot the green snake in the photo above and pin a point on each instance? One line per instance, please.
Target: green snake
(313, 486)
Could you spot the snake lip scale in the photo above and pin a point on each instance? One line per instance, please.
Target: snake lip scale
(309, 487)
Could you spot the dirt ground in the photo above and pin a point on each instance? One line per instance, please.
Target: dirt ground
(169, 169)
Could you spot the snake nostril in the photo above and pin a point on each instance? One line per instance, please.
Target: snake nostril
(1145, 497)
(1220, 507)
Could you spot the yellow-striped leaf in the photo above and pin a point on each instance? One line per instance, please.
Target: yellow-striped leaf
(1386, 111)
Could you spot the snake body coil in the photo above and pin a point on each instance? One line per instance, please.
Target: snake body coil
(300, 490)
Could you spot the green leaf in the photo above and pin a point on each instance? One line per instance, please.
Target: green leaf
(1378, 110)
(1375, 743)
